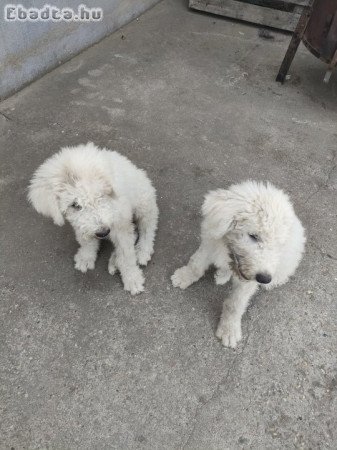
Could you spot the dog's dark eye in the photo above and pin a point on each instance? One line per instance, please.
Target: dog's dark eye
(76, 206)
(254, 237)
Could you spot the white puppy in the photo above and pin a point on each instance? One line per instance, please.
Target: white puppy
(249, 232)
(101, 193)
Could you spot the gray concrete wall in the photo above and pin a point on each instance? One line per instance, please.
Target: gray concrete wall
(29, 49)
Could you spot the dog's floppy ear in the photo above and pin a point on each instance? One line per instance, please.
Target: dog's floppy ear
(108, 189)
(219, 210)
(43, 190)
(106, 183)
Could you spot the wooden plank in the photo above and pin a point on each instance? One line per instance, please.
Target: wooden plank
(296, 2)
(269, 3)
(248, 12)
(278, 2)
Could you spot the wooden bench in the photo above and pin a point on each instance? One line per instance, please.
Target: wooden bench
(281, 14)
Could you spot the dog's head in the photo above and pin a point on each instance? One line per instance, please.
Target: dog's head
(255, 221)
(73, 185)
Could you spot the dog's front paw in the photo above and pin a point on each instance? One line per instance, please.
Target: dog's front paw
(183, 277)
(84, 262)
(134, 281)
(143, 255)
(229, 332)
(222, 276)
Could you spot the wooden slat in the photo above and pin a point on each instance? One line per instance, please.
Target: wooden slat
(296, 2)
(250, 13)
(278, 2)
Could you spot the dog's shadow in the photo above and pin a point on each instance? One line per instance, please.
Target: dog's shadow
(99, 279)
(208, 297)
(106, 248)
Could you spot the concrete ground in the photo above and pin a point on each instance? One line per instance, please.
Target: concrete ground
(191, 98)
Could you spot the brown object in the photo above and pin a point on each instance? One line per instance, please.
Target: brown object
(281, 14)
(317, 28)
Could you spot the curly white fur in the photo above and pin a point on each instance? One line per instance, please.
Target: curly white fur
(251, 234)
(101, 193)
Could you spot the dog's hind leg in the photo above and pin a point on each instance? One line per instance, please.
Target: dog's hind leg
(196, 267)
(229, 329)
(86, 255)
(147, 220)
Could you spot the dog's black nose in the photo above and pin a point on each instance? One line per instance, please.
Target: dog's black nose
(263, 278)
(104, 232)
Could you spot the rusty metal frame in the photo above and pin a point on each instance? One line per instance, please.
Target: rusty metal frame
(295, 41)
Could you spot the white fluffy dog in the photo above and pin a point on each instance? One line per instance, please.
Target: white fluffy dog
(249, 232)
(100, 193)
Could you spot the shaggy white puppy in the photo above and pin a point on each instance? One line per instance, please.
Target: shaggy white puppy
(101, 193)
(249, 232)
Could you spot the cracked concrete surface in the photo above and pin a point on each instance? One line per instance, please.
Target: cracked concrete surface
(191, 98)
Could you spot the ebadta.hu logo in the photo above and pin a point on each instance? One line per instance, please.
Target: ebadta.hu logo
(19, 13)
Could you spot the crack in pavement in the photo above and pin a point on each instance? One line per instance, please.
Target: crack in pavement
(328, 177)
(313, 194)
(334, 165)
(212, 397)
(322, 252)
(5, 116)
(216, 390)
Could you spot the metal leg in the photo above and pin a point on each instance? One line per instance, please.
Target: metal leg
(327, 76)
(295, 41)
(330, 68)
